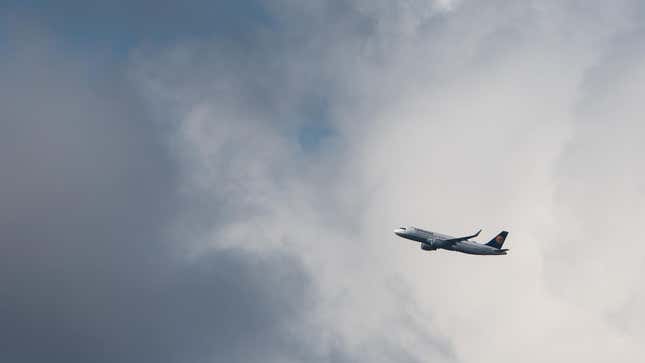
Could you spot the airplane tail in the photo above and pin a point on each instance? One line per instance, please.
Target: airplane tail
(498, 241)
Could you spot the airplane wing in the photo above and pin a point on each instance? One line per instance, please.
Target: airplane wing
(452, 241)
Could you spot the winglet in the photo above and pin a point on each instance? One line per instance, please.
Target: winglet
(476, 234)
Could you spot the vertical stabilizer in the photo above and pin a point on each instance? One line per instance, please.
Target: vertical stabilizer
(498, 241)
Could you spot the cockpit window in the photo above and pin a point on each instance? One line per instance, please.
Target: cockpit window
(403, 228)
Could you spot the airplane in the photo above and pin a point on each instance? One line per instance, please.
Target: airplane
(431, 241)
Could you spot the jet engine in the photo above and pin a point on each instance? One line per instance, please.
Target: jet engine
(427, 247)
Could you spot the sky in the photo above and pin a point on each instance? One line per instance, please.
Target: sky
(219, 181)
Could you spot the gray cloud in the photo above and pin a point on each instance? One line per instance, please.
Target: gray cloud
(225, 192)
(89, 271)
(100, 221)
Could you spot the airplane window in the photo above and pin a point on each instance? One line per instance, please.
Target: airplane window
(402, 228)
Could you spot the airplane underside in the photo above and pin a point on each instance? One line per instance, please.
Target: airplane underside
(468, 249)
(477, 250)
(490, 253)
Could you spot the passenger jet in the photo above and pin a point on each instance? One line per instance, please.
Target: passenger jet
(431, 241)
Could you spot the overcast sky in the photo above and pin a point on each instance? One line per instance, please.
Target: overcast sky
(219, 181)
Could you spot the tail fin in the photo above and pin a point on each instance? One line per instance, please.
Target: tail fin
(498, 241)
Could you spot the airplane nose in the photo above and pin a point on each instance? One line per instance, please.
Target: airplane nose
(398, 231)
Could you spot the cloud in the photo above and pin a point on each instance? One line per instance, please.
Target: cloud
(89, 268)
(447, 115)
(261, 191)
(437, 118)
(600, 187)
